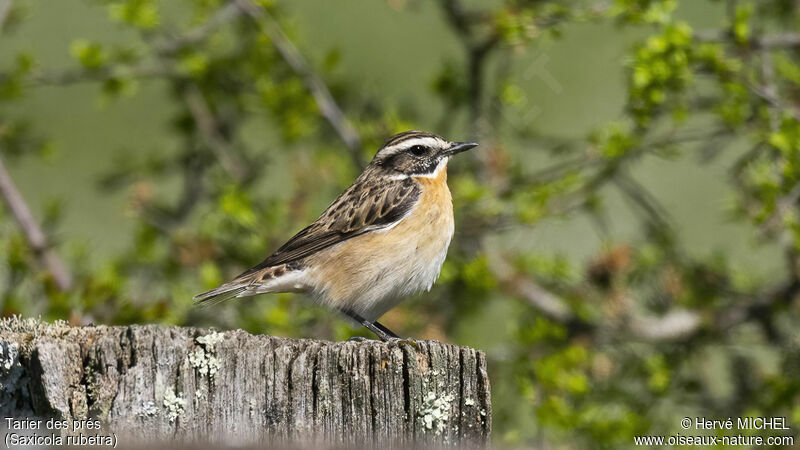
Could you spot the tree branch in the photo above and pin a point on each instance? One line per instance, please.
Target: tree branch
(542, 300)
(328, 107)
(33, 233)
(768, 91)
(198, 34)
(462, 20)
(677, 324)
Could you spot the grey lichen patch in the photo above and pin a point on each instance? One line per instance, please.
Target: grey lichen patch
(209, 341)
(253, 408)
(206, 364)
(203, 358)
(173, 405)
(90, 380)
(32, 325)
(9, 356)
(10, 369)
(14, 382)
(148, 409)
(435, 412)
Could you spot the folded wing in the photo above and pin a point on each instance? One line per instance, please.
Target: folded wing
(360, 209)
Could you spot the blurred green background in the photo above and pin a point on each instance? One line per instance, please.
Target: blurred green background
(637, 169)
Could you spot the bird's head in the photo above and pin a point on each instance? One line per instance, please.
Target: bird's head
(416, 153)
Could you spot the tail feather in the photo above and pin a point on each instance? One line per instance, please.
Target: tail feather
(225, 292)
(252, 282)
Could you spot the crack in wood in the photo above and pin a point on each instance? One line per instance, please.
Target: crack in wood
(265, 390)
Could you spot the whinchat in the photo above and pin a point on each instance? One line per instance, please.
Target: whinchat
(383, 238)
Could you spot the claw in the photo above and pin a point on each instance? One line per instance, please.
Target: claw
(407, 341)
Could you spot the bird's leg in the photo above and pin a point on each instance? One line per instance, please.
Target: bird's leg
(395, 339)
(381, 331)
(387, 331)
(378, 329)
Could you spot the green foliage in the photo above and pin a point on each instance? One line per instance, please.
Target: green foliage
(615, 140)
(89, 55)
(741, 23)
(645, 11)
(11, 83)
(589, 346)
(142, 14)
(660, 70)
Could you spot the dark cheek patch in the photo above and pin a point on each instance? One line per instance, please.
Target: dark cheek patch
(426, 167)
(405, 164)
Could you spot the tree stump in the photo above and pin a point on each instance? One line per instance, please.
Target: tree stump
(190, 384)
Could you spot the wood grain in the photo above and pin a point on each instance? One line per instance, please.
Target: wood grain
(241, 388)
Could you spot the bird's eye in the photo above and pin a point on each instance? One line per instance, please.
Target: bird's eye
(418, 150)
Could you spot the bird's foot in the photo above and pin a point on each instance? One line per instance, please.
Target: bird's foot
(398, 341)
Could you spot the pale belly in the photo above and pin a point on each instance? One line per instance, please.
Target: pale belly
(370, 274)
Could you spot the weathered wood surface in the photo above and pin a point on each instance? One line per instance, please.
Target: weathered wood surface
(162, 383)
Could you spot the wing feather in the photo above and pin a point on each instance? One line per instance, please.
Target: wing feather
(358, 210)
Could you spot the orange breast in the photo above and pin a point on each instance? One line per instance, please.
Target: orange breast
(370, 272)
(434, 213)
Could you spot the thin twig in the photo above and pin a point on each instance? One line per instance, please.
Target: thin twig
(33, 233)
(5, 11)
(200, 33)
(781, 40)
(328, 107)
(700, 134)
(209, 129)
(478, 50)
(642, 198)
(675, 325)
(166, 218)
(771, 99)
(68, 77)
(770, 89)
(766, 92)
(783, 206)
(542, 300)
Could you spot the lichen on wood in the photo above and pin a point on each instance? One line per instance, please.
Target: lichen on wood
(198, 384)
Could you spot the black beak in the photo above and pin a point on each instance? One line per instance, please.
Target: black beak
(459, 147)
